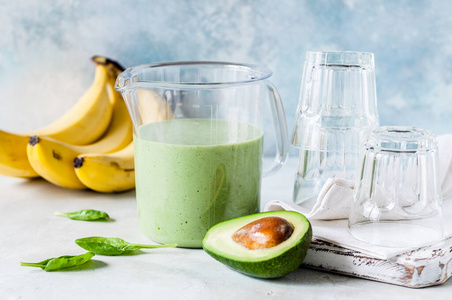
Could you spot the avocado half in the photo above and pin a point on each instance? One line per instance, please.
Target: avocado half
(271, 262)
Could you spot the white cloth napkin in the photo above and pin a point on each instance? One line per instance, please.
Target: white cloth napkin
(329, 212)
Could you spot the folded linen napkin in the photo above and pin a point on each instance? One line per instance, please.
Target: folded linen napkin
(329, 212)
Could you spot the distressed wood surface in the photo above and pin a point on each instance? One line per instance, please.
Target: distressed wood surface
(415, 269)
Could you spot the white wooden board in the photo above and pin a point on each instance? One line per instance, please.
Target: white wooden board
(420, 268)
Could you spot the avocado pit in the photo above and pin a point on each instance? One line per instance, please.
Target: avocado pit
(263, 233)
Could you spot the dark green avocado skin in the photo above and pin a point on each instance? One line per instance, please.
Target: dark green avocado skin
(279, 266)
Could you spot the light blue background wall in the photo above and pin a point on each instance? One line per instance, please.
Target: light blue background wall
(45, 48)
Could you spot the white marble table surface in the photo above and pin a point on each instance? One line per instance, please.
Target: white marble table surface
(29, 232)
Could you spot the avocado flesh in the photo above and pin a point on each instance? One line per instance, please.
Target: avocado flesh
(272, 262)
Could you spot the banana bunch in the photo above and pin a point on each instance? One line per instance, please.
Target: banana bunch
(88, 147)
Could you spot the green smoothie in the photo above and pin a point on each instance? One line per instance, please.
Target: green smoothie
(194, 173)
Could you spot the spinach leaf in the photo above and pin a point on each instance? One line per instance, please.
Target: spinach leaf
(112, 246)
(85, 215)
(57, 263)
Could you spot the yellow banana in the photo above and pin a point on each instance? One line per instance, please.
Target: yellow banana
(53, 160)
(84, 123)
(113, 172)
(90, 116)
(152, 107)
(13, 155)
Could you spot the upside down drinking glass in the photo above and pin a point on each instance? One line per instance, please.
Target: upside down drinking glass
(337, 101)
(398, 195)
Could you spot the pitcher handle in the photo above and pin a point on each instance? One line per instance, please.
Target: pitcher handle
(281, 133)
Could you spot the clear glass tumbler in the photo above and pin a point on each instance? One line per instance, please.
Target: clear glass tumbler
(337, 100)
(398, 195)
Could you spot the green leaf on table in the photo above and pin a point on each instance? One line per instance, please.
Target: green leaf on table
(113, 246)
(57, 263)
(85, 215)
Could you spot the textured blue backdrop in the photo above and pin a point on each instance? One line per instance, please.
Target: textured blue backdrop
(45, 48)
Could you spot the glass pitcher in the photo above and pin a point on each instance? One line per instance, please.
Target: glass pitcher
(198, 137)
